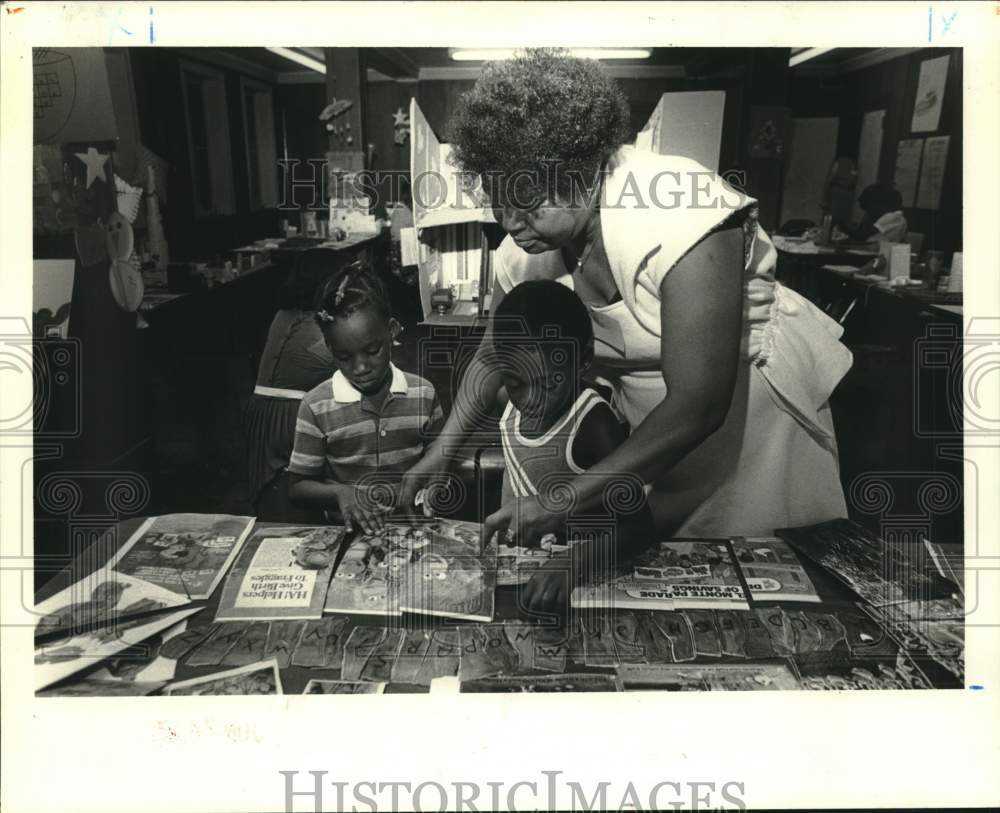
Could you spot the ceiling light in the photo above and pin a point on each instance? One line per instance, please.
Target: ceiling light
(300, 58)
(494, 54)
(805, 55)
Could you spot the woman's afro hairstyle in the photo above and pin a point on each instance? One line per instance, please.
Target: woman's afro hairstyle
(539, 110)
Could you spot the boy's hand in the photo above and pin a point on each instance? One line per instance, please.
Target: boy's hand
(359, 508)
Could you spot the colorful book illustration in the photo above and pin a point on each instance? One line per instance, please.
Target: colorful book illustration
(430, 568)
(255, 678)
(772, 570)
(187, 554)
(879, 572)
(681, 574)
(282, 574)
(451, 576)
(67, 656)
(100, 598)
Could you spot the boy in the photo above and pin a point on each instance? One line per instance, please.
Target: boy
(370, 419)
(555, 428)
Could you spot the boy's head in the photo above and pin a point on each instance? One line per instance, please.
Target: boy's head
(358, 326)
(542, 341)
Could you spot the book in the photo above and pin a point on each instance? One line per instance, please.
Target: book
(761, 676)
(67, 656)
(680, 574)
(585, 682)
(100, 598)
(187, 554)
(316, 686)
(432, 567)
(282, 574)
(450, 576)
(879, 572)
(772, 570)
(254, 678)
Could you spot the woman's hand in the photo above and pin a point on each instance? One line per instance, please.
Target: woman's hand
(551, 586)
(526, 520)
(359, 508)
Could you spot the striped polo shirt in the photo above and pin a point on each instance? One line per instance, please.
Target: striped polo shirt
(341, 435)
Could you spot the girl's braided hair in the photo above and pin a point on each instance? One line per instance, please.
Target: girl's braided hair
(352, 288)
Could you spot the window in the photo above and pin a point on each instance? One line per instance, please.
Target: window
(207, 121)
(262, 157)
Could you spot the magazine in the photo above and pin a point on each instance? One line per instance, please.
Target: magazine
(187, 554)
(255, 678)
(681, 574)
(880, 573)
(282, 573)
(67, 656)
(430, 568)
(772, 570)
(98, 599)
(586, 682)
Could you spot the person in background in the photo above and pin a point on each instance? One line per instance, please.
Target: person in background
(365, 426)
(555, 428)
(295, 359)
(883, 219)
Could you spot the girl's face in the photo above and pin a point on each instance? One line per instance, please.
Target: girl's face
(361, 346)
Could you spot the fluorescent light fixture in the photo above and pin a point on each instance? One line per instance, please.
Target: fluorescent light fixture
(494, 54)
(805, 55)
(300, 58)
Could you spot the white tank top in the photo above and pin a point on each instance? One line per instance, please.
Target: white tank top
(529, 461)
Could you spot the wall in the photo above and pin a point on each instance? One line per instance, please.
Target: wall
(160, 103)
(892, 86)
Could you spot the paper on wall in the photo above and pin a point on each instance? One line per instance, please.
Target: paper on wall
(932, 172)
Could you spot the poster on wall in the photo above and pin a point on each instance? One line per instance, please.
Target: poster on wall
(932, 172)
(907, 169)
(72, 97)
(930, 95)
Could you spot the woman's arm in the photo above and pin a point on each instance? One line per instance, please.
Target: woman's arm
(476, 397)
(701, 323)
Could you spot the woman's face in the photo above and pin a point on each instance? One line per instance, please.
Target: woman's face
(545, 226)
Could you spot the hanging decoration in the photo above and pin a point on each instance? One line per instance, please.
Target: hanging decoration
(401, 126)
(95, 162)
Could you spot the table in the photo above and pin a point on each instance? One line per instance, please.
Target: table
(832, 593)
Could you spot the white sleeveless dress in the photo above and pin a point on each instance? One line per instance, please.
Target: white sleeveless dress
(774, 462)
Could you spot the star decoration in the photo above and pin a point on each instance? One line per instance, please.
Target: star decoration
(95, 162)
(400, 119)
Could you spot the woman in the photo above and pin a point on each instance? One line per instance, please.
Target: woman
(722, 374)
(883, 219)
(295, 359)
